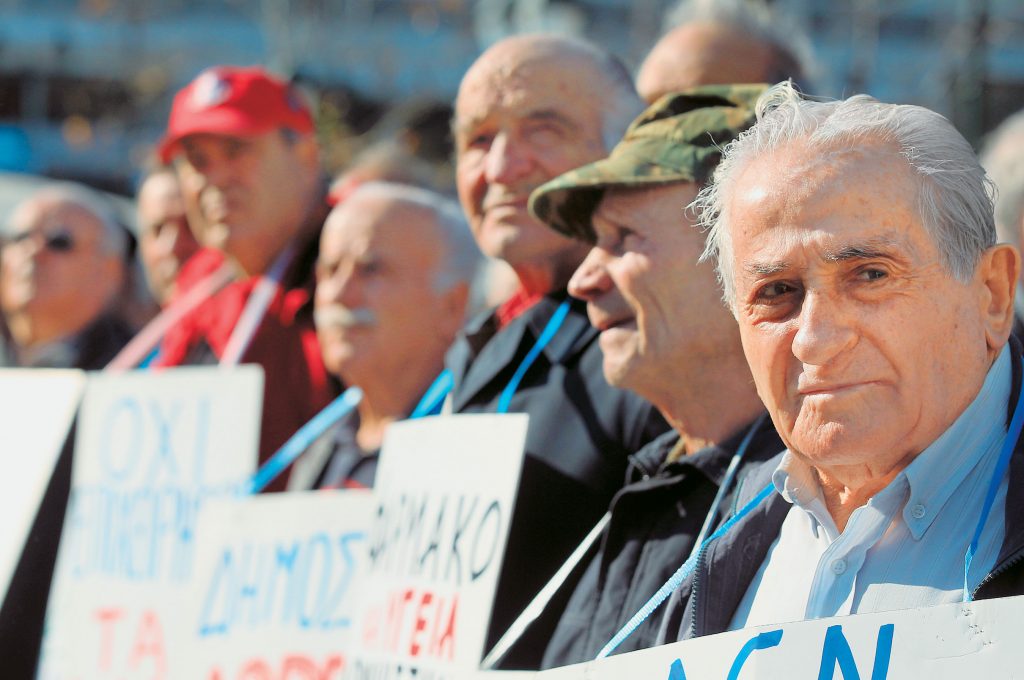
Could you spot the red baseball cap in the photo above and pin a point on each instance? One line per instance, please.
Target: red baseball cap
(233, 100)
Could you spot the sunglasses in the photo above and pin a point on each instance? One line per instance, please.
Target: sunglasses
(54, 241)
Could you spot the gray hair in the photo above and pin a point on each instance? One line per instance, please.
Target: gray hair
(115, 236)
(793, 53)
(954, 197)
(1003, 159)
(461, 256)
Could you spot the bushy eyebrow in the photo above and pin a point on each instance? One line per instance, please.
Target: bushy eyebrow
(538, 116)
(886, 247)
(879, 247)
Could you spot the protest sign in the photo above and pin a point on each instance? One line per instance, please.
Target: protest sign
(275, 580)
(949, 642)
(150, 450)
(444, 494)
(36, 411)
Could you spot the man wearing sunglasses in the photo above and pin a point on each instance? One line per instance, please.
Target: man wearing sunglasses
(63, 262)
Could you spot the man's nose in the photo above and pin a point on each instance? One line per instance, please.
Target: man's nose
(591, 279)
(825, 330)
(507, 160)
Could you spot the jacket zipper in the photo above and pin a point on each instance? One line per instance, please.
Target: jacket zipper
(1003, 568)
(692, 632)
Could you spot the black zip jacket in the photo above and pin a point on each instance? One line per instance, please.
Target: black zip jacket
(654, 523)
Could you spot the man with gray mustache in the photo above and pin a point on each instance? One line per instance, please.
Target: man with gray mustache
(392, 281)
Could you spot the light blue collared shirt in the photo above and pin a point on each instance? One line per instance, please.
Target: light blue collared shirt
(904, 548)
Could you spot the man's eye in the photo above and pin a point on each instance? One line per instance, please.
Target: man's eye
(773, 291)
(871, 274)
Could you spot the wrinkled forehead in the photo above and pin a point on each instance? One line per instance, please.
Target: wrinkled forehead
(376, 225)
(567, 82)
(829, 199)
(48, 212)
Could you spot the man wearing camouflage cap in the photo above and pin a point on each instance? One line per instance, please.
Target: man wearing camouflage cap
(665, 335)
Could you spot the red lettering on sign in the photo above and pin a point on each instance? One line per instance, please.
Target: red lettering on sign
(107, 618)
(420, 624)
(149, 643)
(444, 642)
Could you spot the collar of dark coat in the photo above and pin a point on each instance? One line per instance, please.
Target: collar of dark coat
(650, 461)
(483, 351)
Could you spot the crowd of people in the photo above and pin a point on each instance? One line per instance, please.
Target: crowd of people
(717, 299)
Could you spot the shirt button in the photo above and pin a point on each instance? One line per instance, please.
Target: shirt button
(918, 511)
(838, 567)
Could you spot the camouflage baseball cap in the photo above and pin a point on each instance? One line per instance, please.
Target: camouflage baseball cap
(677, 139)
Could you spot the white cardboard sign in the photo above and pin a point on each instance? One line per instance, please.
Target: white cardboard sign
(275, 584)
(150, 450)
(949, 642)
(36, 410)
(445, 492)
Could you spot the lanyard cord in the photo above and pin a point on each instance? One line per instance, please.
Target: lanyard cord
(443, 384)
(1009, 444)
(255, 308)
(149, 337)
(730, 475)
(430, 403)
(549, 332)
(305, 436)
(681, 574)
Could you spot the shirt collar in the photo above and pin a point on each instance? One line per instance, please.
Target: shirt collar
(942, 467)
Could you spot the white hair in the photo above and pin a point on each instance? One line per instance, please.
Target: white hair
(1003, 159)
(954, 196)
(115, 236)
(794, 55)
(461, 257)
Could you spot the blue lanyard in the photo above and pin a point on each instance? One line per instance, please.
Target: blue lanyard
(681, 574)
(301, 440)
(433, 398)
(442, 385)
(1009, 444)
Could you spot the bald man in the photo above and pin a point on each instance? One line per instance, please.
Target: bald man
(529, 109)
(392, 281)
(728, 42)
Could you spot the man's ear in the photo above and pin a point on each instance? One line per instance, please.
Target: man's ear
(998, 272)
(454, 305)
(308, 151)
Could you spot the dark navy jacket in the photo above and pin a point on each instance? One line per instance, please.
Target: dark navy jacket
(654, 523)
(580, 436)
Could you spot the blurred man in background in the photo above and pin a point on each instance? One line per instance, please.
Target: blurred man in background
(530, 108)
(393, 280)
(63, 262)
(721, 42)
(165, 240)
(1003, 160)
(246, 153)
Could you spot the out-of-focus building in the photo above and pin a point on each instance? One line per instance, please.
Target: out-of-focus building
(85, 85)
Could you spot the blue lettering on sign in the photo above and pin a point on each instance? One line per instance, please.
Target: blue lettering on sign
(676, 672)
(836, 651)
(244, 588)
(758, 642)
(126, 421)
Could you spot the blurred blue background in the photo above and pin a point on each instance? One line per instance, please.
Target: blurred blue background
(85, 85)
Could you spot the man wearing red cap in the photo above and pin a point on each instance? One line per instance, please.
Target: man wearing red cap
(245, 150)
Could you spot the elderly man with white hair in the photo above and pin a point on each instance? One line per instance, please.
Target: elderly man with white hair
(63, 261)
(392, 282)
(856, 246)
